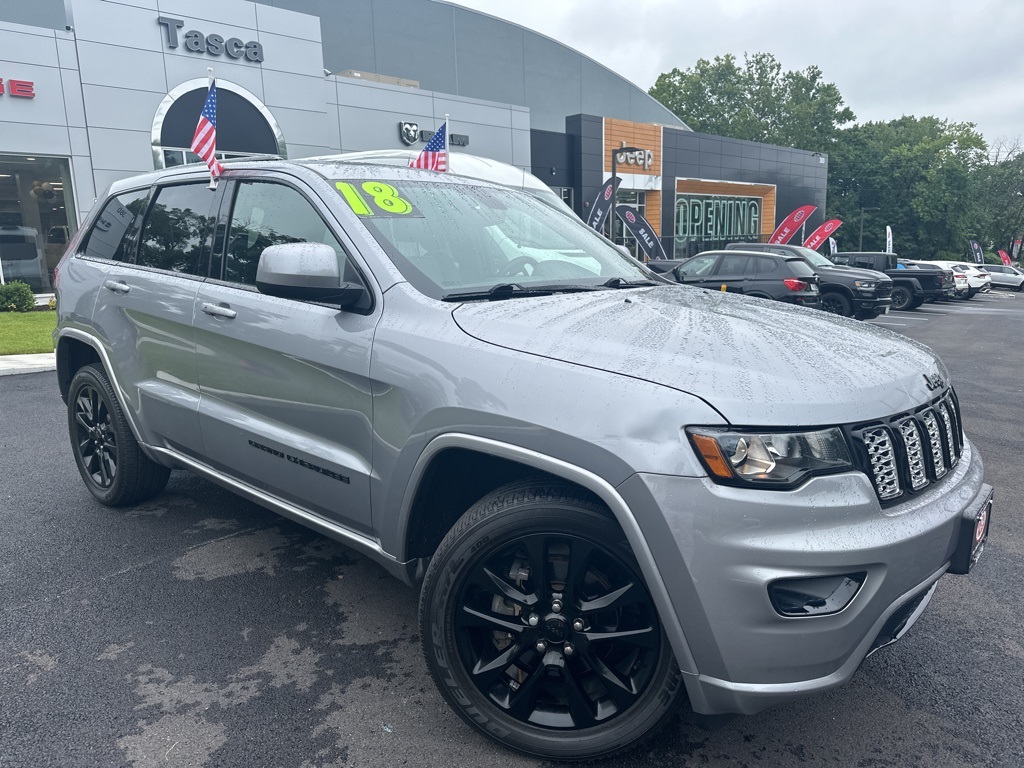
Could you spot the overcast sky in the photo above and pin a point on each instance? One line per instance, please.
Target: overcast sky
(959, 60)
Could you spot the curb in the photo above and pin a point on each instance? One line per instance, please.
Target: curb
(11, 365)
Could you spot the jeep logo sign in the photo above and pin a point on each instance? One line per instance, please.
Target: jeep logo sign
(214, 45)
(642, 157)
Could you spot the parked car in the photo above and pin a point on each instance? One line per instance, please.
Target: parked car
(764, 275)
(845, 291)
(616, 493)
(978, 277)
(911, 285)
(960, 287)
(21, 257)
(1005, 277)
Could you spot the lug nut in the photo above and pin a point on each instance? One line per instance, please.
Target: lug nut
(577, 625)
(541, 646)
(533, 620)
(556, 606)
(568, 649)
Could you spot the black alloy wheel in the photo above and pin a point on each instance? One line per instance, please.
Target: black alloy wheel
(901, 297)
(836, 304)
(539, 629)
(112, 464)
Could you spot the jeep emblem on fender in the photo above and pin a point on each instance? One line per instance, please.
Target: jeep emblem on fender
(933, 380)
(410, 132)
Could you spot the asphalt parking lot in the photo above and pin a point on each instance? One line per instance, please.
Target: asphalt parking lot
(201, 630)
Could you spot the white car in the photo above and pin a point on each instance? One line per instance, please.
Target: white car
(1005, 277)
(978, 278)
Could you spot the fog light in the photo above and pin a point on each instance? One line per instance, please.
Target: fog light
(817, 596)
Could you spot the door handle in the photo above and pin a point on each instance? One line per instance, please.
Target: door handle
(117, 286)
(218, 311)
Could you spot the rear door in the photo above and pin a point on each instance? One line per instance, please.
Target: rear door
(735, 273)
(144, 313)
(286, 403)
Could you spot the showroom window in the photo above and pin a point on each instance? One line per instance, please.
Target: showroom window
(36, 218)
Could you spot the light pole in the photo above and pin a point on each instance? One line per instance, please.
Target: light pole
(860, 247)
(615, 152)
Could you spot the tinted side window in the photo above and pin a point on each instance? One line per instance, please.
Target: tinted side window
(866, 263)
(698, 265)
(268, 214)
(175, 232)
(735, 265)
(111, 235)
(767, 266)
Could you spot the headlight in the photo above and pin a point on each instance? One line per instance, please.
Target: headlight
(865, 285)
(769, 459)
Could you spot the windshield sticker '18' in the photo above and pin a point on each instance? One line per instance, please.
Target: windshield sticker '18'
(375, 198)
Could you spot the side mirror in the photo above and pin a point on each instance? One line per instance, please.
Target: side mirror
(679, 273)
(308, 272)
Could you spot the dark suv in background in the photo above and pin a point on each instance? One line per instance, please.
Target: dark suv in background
(912, 285)
(766, 275)
(845, 291)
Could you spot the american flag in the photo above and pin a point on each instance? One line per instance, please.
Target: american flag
(434, 156)
(204, 143)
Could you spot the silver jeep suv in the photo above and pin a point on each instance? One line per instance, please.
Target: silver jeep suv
(617, 493)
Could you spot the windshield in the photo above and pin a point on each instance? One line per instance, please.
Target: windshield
(449, 239)
(813, 258)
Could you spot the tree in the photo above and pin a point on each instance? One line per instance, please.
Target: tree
(756, 102)
(917, 172)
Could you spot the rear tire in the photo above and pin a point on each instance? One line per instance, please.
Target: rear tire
(539, 631)
(112, 464)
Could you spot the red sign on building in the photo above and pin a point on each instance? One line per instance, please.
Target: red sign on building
(24, 89)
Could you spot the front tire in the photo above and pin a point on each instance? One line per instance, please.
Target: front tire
(901, 298)
(539, 631)
(836, 304)
(112, 464)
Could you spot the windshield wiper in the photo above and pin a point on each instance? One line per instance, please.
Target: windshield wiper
(512, 290)
(621, 282)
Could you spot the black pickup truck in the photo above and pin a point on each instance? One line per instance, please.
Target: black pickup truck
(912, 286)
(846, 291)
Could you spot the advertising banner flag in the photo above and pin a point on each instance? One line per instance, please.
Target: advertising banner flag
(833, 246)
(1005, 257)
(818, 236)
(888, 239)
(602, 205)
(642, 231)
(979, 256)
(785, 231)
(1016, 248)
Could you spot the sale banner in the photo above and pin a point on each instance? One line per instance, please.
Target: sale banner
(789, 226)
(979, 256)
(1005, 257)
(642, 231)
(822, 233)
(888, 239)
(602, 205)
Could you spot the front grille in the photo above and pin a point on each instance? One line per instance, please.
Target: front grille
(911, 451)
(884, 290)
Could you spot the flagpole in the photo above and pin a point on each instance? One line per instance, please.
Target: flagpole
(209, 84)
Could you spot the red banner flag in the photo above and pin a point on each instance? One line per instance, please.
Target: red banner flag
(1005, 257)
(819, 235)
(791, 224)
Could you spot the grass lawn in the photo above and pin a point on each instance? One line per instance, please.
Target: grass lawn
(23, 333)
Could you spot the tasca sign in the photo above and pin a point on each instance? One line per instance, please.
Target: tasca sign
(212, 44)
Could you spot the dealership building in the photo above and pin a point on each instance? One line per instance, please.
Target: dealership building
(96, 90)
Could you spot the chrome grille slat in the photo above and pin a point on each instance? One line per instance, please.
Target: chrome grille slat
(947, 424)
(931, 425)
(915, 454)
(883, 463)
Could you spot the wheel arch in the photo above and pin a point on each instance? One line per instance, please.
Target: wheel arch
(418, 528)
(72, 354)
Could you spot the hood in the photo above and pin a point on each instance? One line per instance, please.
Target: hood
(758, 362)
(856, 273)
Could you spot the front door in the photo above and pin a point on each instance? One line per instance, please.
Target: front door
(286, 402)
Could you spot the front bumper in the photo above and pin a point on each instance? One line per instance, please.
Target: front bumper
(871, 303)
(720, 548)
